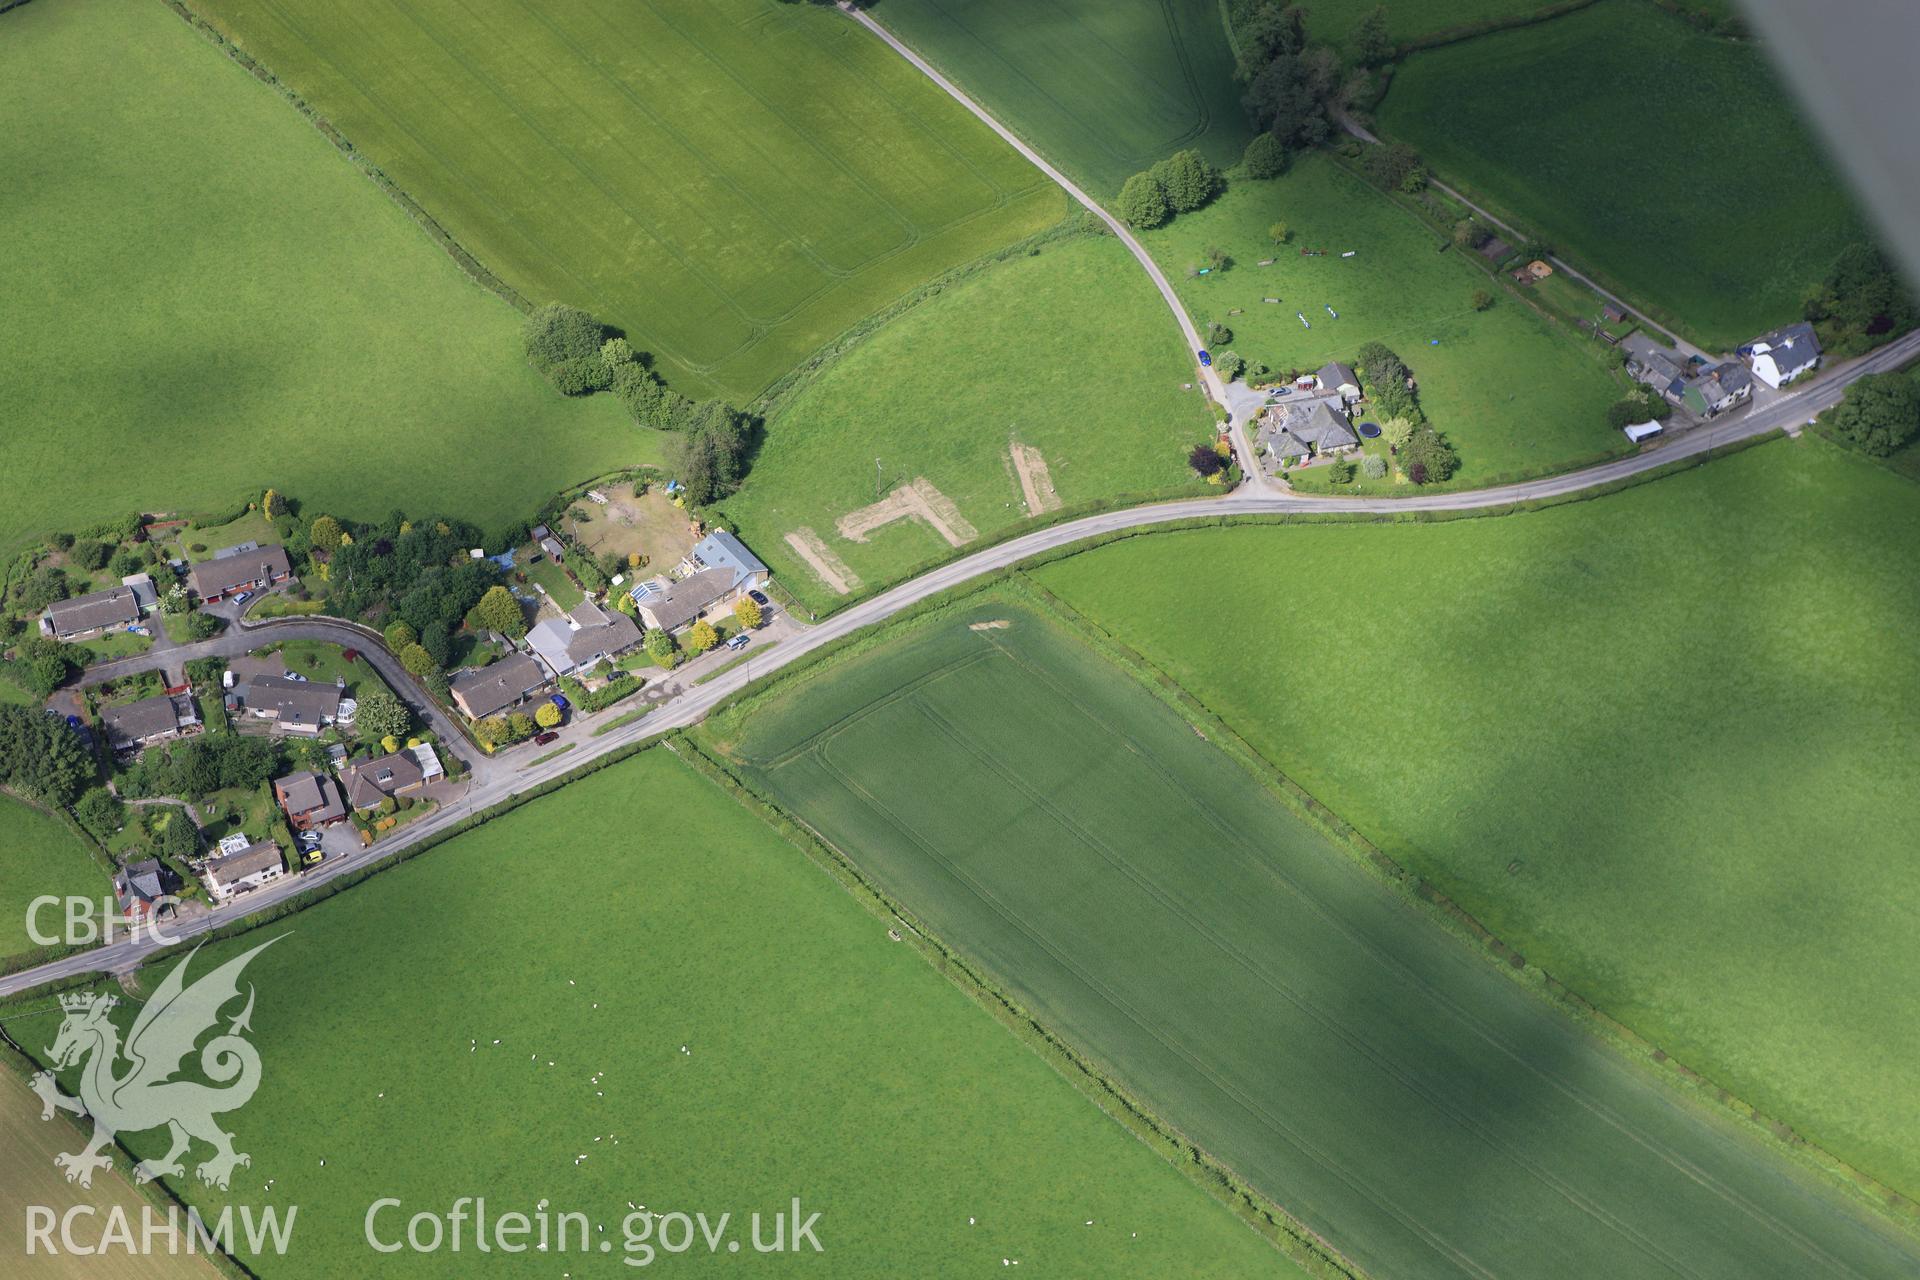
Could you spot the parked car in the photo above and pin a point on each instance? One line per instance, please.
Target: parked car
(739, 641)
(309, 839)
(243, 597)
(560, 700)
(759, 598)
(542, 739)
(1206, 359)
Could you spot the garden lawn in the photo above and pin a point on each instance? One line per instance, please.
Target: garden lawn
(40, 856)
(1653, 740)
(1102, 88)
(1070, 352)
(1514, 392)
(823, 1062)
(206, 299)
(734, 182)
(1670, 164)
(1148, 899)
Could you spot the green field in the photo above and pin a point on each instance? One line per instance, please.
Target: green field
(1409, 20)
(1512, 391)
(1102, 88)
(267, 317)
(1653, 741)
(734, 182)
(39, 856)
(826, 1062)
(1669, 163)
(1140, 893)
(1070, 352)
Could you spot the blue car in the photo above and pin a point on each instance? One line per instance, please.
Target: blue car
(1206, 358)
(560, 700)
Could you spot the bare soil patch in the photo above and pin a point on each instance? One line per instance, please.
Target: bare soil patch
(916, 501)
(830, 568)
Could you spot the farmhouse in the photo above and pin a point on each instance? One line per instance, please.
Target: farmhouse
(242, 568)
(1337, 377)
(499, 685)
(91, 614)
(309, 800)
(1718, 390)
(1662, 373)
(133, 725)
(579, 640)
(672, 604)
(371, 781)
(293, 704)
(240, 872)
(1296, 432)
(1784, 354)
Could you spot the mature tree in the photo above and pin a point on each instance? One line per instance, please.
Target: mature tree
(326, 533)
(1265, 157)
(615, 352)
(40, 757)
(202, 625)
(661, 648)
(1877, 414)
(1268, 32)
(273, 504)
(1279, 233)
(499, 611)
(1373, 466)
(100, 812)
(701, 637)
(1188, 178)
(90, 554)
(1428, 458)
(126, 563)
(1469, 234)
(581, 376)
(42, 587)
(1391, 165)
(491, 731)
(1218, 335)
(1143, 201)
(713, 451)
(1229, 365)
(557, 333)
(175, 601)
(1290, 96)
(1861, 302)
(519, 725)
(1371, 44)
(418, 661)
(178, 838)
(381, 715)
(1205, 461)
(746, 612)
(1339, 471)
(546, 715)
(399, 634)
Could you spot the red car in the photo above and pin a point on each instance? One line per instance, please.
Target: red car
(542, 739)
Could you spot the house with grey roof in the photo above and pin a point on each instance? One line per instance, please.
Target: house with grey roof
(293, 704)
(309, 800)
(1719, 389)
(721, 549)
(1298, 432)
(236, 873)
(497, 686)
(1338, 377)
(250, 569)
(134, 725)
(1662, 373)
(578, 641)
(1779, 357)
(371, 781)
(90, 614)
(670, 604)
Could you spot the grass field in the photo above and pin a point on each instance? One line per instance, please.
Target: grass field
(1651, 740)
(267, 317)
(28, 1176)
(39, 856)
(734, 183)
(1138, 892)
(1103, 88)
(1408, 20)
(825, 1062)
(1669, 163)
(1514, 392)
(1070, 352)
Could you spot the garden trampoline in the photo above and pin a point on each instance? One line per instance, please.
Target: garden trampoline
(1371, 430)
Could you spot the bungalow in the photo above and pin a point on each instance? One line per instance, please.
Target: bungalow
(133, 725)
(371, 781)
(1298, 432)
(294, 705)
(141, 888)
(243, 871)
(91, 614)
(721, 550)
(499, 685)
(309, 800)
(1783, 355)
(1720, 389)
(1338, 377)
(578, 641)
(241, 569)
(672, 604)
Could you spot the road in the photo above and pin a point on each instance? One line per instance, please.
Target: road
(499, 779)
(1242, 443)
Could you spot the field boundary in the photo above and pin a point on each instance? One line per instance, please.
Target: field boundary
(470, 265)
(1487, 26)
(1263, 1216)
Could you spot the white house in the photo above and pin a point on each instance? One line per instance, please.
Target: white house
(1784, 354)
(249, 869)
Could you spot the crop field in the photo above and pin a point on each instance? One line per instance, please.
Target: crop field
(1649, 740)
(706, 1017)
(1070, 353)
(268, 318)
(734, 183)
(1103, 88)
(28, 1176)
(1514, 392)
(40, 856)
(1407, 20)
(1141, 894)
(1598, 130)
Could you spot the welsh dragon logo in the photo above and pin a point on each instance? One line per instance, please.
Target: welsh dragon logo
(145, 1095)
